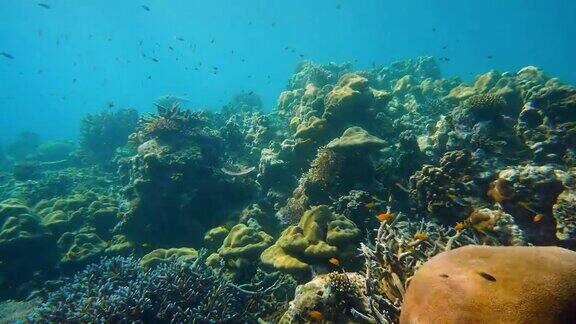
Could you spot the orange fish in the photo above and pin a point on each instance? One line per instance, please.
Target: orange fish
(371, 205)
(537, 218)
(334, 261)
(315, 315)
(385, 216)
(459, 226)
(420, 236)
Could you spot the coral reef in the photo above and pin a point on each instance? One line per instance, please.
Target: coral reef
(174, 184)
(349, 186)
(494, 285)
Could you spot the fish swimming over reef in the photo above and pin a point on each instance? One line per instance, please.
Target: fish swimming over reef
(239, 170)
(145, 7)
(44, 5)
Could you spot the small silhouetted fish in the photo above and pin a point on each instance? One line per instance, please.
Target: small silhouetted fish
(250, 93)
(215, 68)
(196, 68)
(273, 24)
(44, 5)
(149, 77)
(301, 55)
(489, 57)
(444, 47)
(434, 29)
(180, 39)
(286, 48)
(145, 7)
(171, 48)
(212, 41)
(74, 81)
(7, 55)
(487, 276)
(140, 43)
(154, 59)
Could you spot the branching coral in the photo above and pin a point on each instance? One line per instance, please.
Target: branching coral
(103, 132)
(118, 290)
(171, 124)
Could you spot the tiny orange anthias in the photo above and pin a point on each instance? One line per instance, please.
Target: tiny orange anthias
(334, 261)
(315, 315)
(385, 216)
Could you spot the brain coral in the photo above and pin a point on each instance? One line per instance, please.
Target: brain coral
(319, 236)
(480, 284)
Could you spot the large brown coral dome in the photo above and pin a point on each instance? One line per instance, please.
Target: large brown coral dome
(481, 284)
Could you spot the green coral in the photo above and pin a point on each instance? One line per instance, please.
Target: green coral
(485, 106)
(319, 236)
(240, 250)
(215, 236)
(159, 256)
(244, 242)
(81, 209)
(81, 247)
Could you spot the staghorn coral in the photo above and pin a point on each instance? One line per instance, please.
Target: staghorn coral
(172, 124)
(118, 290)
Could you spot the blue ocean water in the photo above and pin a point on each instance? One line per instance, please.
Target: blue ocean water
(77, 57)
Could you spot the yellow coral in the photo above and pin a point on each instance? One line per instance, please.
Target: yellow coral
(319, 235)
